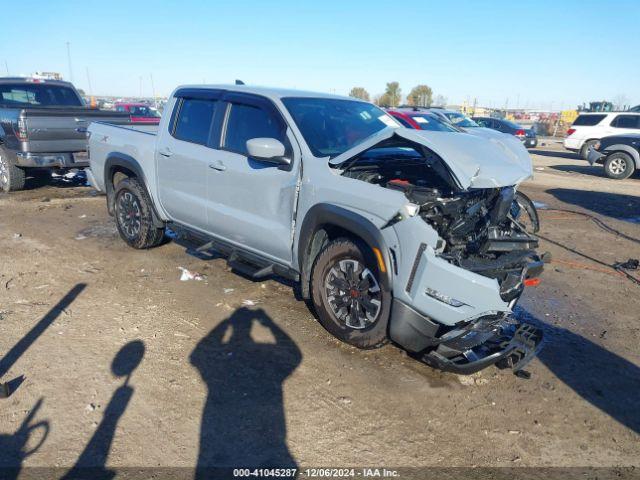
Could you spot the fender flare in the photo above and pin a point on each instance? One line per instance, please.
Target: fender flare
(118, 159)
(328, 214)
(621, 147)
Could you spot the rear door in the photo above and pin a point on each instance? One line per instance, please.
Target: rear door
(183, 155)
(624, 123)
(251, 201)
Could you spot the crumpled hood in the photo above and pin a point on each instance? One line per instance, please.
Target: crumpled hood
(476, 162)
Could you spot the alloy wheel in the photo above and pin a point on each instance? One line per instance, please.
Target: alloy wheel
(618, 166)
(353, 294)
(4, 173)
(129, 214)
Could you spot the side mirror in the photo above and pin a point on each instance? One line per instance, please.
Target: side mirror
(268, 150)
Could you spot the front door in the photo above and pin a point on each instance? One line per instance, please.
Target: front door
(251, 202)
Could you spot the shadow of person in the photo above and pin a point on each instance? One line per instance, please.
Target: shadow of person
(604, 379)
(13, 355)
(243, 422)
(13, 447)
(91, 463)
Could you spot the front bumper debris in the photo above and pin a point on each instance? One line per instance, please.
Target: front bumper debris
(491, 340)
(594, 156)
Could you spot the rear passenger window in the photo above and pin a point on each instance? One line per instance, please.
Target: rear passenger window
(246, 122)
(587, 120)
(626, 121)
(194, 120)
(402, 121)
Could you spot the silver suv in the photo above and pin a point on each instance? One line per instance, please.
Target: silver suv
(392, 233)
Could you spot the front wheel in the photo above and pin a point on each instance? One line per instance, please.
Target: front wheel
(619, 166)
(348, 295)
(134, 218)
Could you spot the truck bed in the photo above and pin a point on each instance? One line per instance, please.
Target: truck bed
(135, 141)
(63, 129)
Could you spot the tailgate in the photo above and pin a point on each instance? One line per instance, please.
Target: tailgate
(63, 130)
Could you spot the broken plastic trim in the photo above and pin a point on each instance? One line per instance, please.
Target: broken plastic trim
(502, 342)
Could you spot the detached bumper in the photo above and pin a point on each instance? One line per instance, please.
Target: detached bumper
(594, 156)
(52, 160)
(490, 340)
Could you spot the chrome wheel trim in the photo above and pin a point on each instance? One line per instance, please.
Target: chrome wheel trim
(618, 166)
(353, 294)
(4, 173)
(129, 214)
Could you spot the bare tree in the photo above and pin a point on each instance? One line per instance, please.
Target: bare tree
(620, 101)
(392, 95)
(440, 101)
(361, 93)
(420, 96)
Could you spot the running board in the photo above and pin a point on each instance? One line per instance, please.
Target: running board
(248, 264)
(249, 267)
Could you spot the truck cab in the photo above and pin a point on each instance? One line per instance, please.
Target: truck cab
(392, 233)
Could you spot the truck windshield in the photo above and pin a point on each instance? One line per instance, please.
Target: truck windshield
(333, 126)
(38, 95)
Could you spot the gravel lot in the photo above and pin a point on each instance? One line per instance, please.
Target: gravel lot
(276, 388)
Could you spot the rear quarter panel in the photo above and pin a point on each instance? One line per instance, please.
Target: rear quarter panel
(136, 143)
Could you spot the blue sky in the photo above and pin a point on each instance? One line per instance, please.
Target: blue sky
(537, 54)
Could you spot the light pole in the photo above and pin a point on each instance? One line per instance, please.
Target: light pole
(69, 60)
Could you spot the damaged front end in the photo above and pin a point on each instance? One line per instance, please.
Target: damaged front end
(454, 311)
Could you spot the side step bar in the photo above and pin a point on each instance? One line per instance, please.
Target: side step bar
(246, 263)
(249, 267)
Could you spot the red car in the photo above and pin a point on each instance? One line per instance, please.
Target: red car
(420, 119)
(139, 112)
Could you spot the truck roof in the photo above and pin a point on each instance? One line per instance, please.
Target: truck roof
(272, 93)
(34, 80)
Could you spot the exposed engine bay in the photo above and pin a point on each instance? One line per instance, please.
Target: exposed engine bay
(482, 229)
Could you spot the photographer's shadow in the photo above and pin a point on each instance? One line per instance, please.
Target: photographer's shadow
(243, 422)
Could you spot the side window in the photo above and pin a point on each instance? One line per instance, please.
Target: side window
(626, 121)
(194, 120)
(120, 108)
(483, 122)
(500, 126)
(246, 122)
(402, 121)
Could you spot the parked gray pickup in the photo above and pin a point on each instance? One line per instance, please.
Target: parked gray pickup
(43, 125)
(392, 233)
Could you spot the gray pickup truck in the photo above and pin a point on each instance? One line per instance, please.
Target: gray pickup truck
(43, 125)
(407, 235)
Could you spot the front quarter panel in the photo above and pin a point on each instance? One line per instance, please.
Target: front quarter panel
(419, 268)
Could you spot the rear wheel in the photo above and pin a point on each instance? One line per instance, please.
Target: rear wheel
(12, 178)
(619, 165)
(134, 218)
(349, 298)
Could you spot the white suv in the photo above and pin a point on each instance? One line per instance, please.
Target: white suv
(588, 128)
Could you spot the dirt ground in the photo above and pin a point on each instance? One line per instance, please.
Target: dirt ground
(116, 362)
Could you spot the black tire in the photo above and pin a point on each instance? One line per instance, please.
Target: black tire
(584, 151)
(619, 165)
(12, 178)
(367, 328)
(134, 218)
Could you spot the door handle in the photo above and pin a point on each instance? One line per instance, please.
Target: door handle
(218, 166)
(165, 152)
